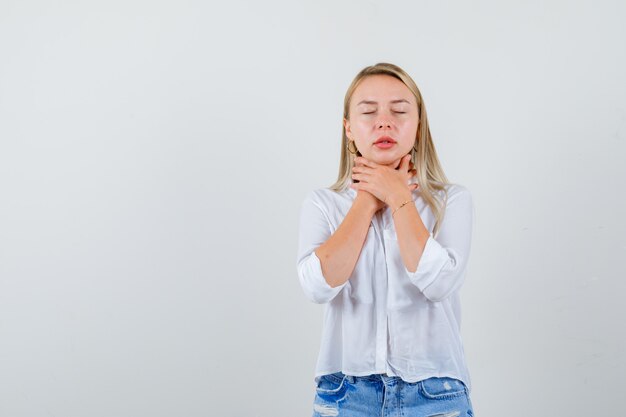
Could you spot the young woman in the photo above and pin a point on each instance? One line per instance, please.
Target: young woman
(385, 248)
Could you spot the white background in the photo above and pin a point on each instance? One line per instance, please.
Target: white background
(154, 156)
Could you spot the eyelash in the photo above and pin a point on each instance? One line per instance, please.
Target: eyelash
(400, 112)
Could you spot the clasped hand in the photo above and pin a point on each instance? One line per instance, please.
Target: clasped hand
(389, 184)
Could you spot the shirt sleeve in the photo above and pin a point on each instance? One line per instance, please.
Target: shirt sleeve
(314, 230)
(441, 268)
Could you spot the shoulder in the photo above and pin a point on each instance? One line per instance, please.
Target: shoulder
(326, 198)
(457, 190)
(458, 196)
(453, 194)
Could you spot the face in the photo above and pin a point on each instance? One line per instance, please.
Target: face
(382, 105)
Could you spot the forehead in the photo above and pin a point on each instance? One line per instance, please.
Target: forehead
(381, 88)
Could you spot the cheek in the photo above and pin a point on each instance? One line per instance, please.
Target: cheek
(361, 132)
(408, 124)
(408, 129)
(361, 125)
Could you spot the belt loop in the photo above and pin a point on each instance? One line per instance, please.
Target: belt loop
(351, 379)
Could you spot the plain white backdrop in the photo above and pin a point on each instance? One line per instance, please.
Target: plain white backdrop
(154, 156)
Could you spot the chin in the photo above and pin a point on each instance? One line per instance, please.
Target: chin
(385, 159)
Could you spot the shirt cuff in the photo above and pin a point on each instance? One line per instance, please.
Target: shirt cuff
(314, 283)
(434, 258)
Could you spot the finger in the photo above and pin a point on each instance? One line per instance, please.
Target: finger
(363, 169)
(404, 162)
(366, 162)
(365, 187)
(360, 177)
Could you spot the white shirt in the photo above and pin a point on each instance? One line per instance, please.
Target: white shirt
(385, 319)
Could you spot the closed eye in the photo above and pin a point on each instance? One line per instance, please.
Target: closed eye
(401, 112)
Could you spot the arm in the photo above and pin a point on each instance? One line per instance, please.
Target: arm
(325, 260)
(437, 267)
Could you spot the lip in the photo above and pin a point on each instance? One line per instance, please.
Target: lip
(385, 138)
(385, 145)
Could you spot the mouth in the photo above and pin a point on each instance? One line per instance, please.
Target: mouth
(385, 140)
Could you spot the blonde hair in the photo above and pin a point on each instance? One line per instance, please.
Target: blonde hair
(430, 175)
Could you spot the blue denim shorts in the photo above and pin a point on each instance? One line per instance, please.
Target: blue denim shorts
(343, 395)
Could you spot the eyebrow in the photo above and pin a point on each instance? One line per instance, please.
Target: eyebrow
(375, 102)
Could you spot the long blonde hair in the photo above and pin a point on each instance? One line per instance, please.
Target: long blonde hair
(430, 175)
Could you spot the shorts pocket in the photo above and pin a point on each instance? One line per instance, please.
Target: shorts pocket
(442, 388)
(332, 386)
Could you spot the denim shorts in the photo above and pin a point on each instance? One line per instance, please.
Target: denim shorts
(343, 395)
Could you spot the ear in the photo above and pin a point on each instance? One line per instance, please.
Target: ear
(346, 126)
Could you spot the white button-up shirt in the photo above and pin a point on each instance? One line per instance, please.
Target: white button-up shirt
(384, 318)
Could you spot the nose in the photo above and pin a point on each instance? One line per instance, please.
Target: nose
(382, 124)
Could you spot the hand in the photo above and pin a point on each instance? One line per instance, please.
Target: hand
(387, 183)
(370, 200)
